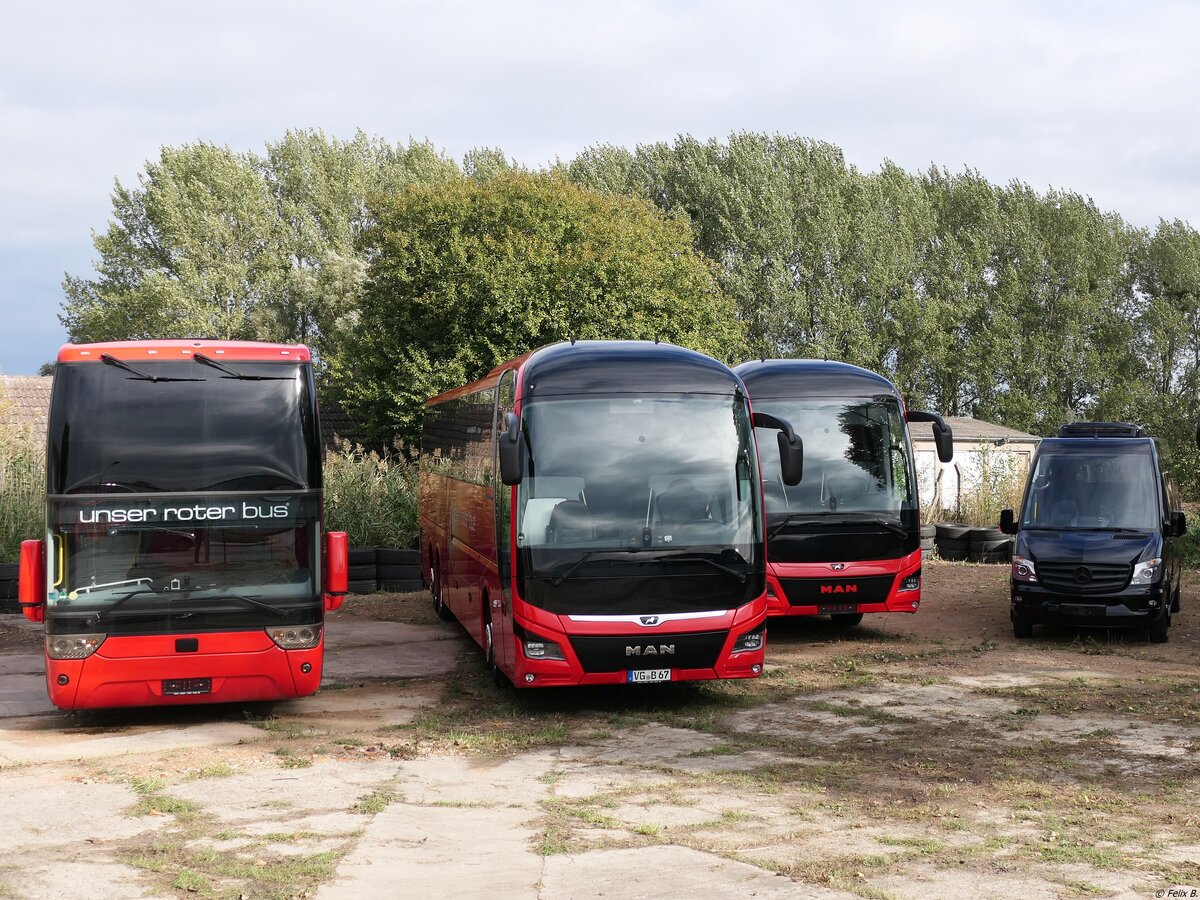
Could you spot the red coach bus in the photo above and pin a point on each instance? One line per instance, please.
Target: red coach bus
(847, 539)
(184, 560)
(591, 514)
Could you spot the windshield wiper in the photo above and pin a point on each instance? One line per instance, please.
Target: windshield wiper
(253, 602)
(110, 360)
(567, 572)
(234, 373)
(839, 519)
(103, 614)
(685, 556)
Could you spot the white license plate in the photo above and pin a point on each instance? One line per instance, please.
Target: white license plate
(645, 676)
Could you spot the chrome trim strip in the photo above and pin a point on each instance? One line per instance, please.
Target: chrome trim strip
(661, 618)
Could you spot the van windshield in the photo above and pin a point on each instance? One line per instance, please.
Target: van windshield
(1089, 490)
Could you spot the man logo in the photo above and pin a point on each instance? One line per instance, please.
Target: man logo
(839, 589)
(837, 567)
(651, 650)
(649, 620)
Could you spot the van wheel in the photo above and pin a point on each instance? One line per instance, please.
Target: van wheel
(1158, 628)
(1175, 600)
(435, 588)
(846, 620)
(1022, 630)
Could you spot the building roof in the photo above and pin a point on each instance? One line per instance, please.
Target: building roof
(25, 402)
(971, 430)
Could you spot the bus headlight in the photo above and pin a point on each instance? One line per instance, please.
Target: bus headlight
(1146, 571)
(1023, 570)
(539, 648)
(751, 640)
(298, 637)
(73, 646)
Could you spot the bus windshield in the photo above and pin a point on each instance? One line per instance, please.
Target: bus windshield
(655, 489)
(191, 428)
(1076, 488)
(856, 458)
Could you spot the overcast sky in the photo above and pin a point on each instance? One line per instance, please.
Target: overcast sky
(1096, 97)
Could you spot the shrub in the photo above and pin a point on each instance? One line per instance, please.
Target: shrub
(371, 496)
(991, 481)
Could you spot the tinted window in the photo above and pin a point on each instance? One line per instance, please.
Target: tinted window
(1090, 489)
(111, 431)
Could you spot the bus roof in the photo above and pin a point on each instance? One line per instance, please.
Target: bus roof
(587, 366)
(130, 351)
(787, 378)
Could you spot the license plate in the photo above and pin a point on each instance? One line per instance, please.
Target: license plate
(178, 687)
(827, 609)
(1088, 610)
(646, 676)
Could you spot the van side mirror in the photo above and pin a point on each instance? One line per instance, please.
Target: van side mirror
(337, 568)
(31, 583)
(791, 448)
(1008, 523)
(512, 450)
(1178, 523)
(943, 436)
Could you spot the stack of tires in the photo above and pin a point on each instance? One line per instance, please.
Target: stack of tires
(928, 538)
(374, 569)
(953, 540)
(398, 571)
(989, 545)
(8, 588)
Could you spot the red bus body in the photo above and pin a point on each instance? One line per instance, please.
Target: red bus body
(586, 572)
(185, 560)
(846, 540)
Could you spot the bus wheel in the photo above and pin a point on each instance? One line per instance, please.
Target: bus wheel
(846, 620)
(435, 588)
(498, 677)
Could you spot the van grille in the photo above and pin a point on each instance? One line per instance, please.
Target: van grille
(1084, 578)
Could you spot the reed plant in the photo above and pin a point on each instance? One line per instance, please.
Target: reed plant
(371, 496)
(993, 481)
(22, 490)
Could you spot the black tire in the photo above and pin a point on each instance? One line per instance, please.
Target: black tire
(846, 620)
(927, 543)
(363, 572)
(361, 556)
(1022, 630)
(435, 589)
(402, 587)
(979, 536)
(8, 589)
(362, 587)
(397, 572)
(952, 548)
(951, 530)
(386, 556)
(1159, 629)
(928, 531)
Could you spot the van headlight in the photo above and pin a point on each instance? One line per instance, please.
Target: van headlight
(1146, 571)
(1024, 570)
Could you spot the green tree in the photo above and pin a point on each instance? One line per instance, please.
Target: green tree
(468, 273)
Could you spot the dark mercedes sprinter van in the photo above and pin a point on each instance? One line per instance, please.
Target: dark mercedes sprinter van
(1096, 538)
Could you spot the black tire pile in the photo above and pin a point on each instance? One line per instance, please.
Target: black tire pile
(8, 588)
(984, 545)
(374, 569)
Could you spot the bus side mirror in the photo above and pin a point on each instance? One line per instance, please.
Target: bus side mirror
(337, 568)
(512, 450)
(1178, 523)
(1008, 522)
(943, 435)
(31, 575)
(791, 448)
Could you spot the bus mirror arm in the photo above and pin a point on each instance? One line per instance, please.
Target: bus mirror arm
(791, 448)
(337, 568)
(943, 436)
(512, 450)
(31, 592)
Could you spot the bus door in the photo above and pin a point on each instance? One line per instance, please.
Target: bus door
(501, 602)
